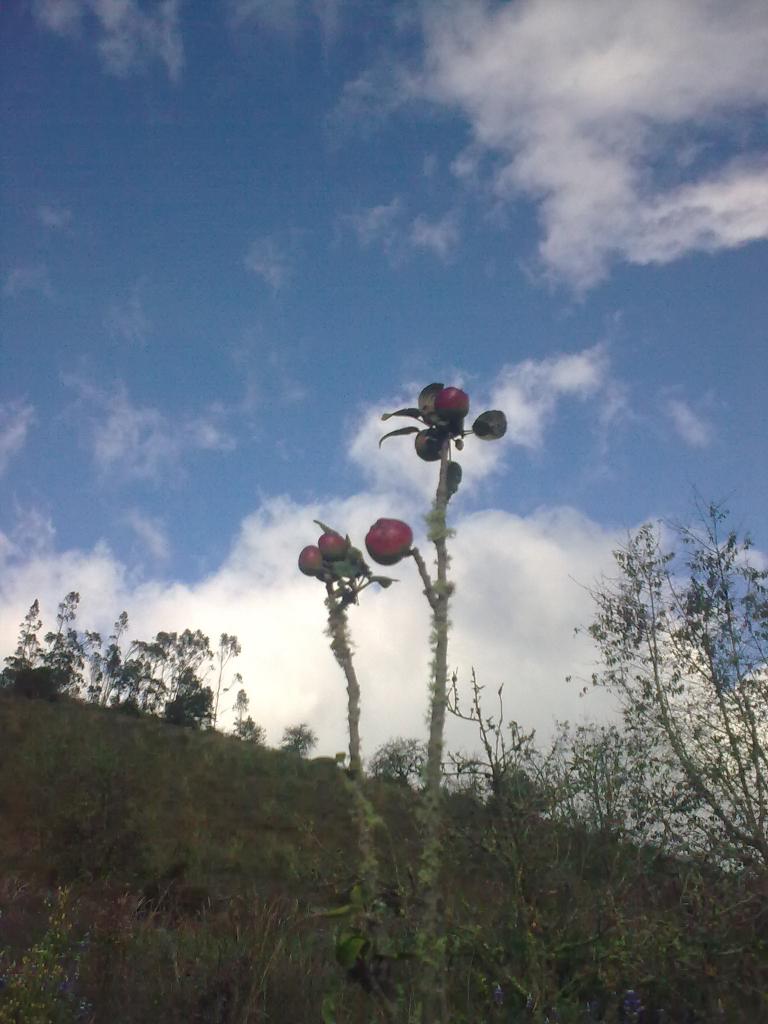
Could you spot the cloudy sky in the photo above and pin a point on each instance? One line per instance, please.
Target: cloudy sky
(234, 232)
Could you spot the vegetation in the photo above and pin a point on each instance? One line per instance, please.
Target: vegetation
(152, 868)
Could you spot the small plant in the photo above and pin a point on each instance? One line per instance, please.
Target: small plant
(41, 987)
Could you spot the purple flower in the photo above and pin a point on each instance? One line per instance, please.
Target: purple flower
(631, 1007)
(498, 995)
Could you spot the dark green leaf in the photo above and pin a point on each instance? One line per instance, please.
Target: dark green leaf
(427, 397)
(328, 1009)
(383, 581)
(344, 911)
(323, 527)
(452, 477)
(491, 425)
(349, 948)
(355, 555)
(402, 430)
(344, 569)
(415, 413)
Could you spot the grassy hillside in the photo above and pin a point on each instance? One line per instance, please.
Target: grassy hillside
(154, 873)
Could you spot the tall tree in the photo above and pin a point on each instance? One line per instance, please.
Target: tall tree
(229, 647)
(65, 656)
(28, 653)
(684, 643)
(106, 667)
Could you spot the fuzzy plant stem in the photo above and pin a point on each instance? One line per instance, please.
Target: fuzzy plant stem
(366, 818)
(431, 938)
(338, 631)
(364, 813)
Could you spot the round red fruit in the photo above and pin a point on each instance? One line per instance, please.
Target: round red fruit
(428, 445)
(452, 403)
(311, 560)
(388, 540)
(333, 546)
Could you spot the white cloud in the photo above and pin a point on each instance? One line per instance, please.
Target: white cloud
(151, 532)
(514, 611)
(33, 533)
(288, 17)
(530, 391)
(127, 320)
(135, 442)
(127, 36)
(440, 237)
(60, 16)
(389, 227)
(588, 109)
(370, 98)
(15, 420)
(694, 430)
(28, 279)
(274, 15)
(55, 217)
(378, 225)
(269, 259)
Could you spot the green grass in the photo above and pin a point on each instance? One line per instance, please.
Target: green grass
(151, 873)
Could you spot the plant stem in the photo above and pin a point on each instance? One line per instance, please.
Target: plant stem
(364, 814)
(339, 634)
(431, 939)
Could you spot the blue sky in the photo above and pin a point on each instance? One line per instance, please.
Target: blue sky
(233, 233)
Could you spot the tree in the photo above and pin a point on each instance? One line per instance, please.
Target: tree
(155, 673)
(45, 671)
(229, 647)
(600, 778)
(106, 667)
(192, 703)
(28, 653)
(249, 732)
(684, 644)
(245, 727)
(65, 656)
(399, 760)
(298, 739)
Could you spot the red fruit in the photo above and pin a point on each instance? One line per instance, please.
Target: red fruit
(388, 540)
(333, 546)
(428, 445)
(453, 403)
(311, 561)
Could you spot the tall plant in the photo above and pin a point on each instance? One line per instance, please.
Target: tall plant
(441, 412)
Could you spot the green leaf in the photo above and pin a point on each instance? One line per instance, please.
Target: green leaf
(349, 948)
(344, 569)
(452, 477)
(490, 426)
(344, 911)
(356, 555)
(383, 581)
(414, 413)
(328, 1009)
(323, 527)
(402, 430)
(427, 397)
